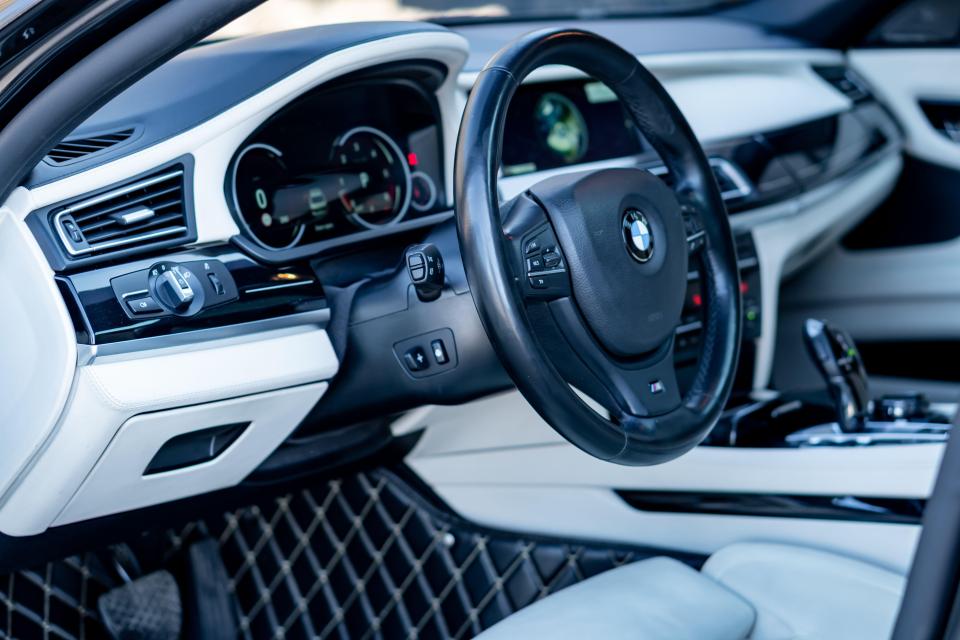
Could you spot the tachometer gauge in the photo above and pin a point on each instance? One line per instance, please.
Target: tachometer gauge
(561, 126)
(374, 179)
(259, 175)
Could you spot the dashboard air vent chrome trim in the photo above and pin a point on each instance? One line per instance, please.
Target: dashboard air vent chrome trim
(137, 213)
(733, 184)
(77, 148)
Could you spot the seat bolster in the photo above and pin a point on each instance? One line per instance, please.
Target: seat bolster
(655, 599)
(799, 592)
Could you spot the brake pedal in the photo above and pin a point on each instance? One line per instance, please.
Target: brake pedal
(147, 608)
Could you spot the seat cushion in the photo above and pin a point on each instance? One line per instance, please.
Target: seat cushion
(805, 594)
(656, 599)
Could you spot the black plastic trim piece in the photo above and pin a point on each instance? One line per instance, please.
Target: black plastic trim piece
(849, 508)
(921, 210)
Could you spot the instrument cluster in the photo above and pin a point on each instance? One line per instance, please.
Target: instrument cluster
(341, 160)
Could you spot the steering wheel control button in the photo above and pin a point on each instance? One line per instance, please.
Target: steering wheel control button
(637, 235)
(439, 352)
(551, 259)
(543, 265)
(426, 270)
(143, 305)
(657, 387)
(416, 359)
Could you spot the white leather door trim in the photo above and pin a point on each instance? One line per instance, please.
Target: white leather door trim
(902, 77)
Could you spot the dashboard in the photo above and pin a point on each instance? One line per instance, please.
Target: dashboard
(364, 153)
(236, 251)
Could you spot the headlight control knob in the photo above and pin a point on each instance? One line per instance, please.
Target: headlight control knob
(174, 288)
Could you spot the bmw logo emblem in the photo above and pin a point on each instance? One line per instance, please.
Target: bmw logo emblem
(637, 235)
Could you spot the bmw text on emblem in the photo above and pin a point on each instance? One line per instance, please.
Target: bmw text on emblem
(637, 235)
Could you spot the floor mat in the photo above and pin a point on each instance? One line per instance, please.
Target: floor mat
(362, 557)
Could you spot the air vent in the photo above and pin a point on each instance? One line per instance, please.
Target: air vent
(142, 212)
(733, 184)
(845, 81)
(76, 148)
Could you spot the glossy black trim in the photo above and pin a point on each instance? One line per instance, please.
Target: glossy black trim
(265, 292)
(769, 505)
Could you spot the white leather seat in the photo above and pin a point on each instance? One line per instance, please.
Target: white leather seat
(757, 591)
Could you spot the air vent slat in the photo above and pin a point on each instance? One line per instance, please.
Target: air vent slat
(131, 203)
(73, 149)
(116, 231)
(141, 212)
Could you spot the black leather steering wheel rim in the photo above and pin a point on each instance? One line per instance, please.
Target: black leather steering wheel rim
(626, 438)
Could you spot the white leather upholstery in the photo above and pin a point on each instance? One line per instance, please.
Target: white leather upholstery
(656, 599)
(809, 594)
(749, 590)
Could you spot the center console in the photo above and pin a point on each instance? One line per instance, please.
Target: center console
(843, 414)
(687, 345)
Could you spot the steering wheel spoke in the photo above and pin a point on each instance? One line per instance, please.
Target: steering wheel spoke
(539, 264)
(640, 388)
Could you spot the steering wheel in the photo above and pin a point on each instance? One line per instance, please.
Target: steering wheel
(580, 281)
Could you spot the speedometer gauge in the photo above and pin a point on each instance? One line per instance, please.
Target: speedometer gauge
(259, 177)
(374, 179)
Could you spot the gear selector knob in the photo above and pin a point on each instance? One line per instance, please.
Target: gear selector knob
(840, 364)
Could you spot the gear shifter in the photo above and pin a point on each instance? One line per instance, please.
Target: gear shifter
(839, 362)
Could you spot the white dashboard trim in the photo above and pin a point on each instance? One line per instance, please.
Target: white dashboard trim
(38, 344)
(113, 389)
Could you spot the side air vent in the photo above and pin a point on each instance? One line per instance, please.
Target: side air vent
(845, 81)
(142, 212)
(733, 184)
(76, 148)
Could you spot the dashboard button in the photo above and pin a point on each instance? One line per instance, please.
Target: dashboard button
(533, 246)
(439, 352)
(416, 359)
(538, 282)
(534, 264)
(551, 259)
(142, 305)
(216, 284)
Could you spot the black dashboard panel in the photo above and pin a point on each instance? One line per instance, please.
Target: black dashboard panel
(209, 79)
(362, 154)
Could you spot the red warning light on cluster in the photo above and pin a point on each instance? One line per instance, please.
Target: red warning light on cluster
(412, 159)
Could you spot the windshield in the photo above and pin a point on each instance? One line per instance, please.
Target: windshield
(278, 15)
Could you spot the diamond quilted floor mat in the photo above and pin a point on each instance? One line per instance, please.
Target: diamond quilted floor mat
(362, 557)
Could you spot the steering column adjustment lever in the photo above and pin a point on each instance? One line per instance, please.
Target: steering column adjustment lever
(425, 267)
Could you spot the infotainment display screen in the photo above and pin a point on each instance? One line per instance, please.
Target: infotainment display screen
(557, 124)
